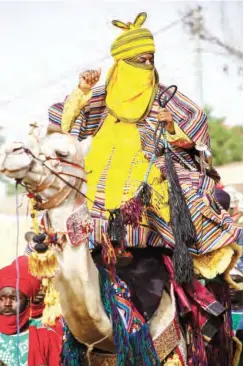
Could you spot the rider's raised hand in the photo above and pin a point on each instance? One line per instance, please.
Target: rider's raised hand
(88, 79)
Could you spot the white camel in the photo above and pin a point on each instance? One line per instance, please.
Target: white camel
(77, 279)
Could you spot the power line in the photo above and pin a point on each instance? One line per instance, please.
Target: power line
(65, 74)
(174, 23)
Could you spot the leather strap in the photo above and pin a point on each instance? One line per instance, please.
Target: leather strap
(57, 198)
(45, 183)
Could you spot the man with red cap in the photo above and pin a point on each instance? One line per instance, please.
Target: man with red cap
(23, 340)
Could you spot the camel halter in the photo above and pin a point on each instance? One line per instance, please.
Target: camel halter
(59, 176)
(74, 172)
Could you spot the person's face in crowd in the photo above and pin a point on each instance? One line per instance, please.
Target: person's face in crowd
(8, 301)
(39, 298)
(145, 59)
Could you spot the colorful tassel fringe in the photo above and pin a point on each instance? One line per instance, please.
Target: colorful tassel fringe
(132, 349)
(108, 253)
(73, 352)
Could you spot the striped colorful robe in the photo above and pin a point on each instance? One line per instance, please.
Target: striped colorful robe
(213, 230)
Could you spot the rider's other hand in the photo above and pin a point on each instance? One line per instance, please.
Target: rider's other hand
(164, 115)
(88, 79)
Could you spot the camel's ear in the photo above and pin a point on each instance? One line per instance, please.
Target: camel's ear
(85, 146)
(55, 129)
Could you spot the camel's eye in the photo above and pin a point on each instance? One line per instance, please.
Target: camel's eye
(62, 153)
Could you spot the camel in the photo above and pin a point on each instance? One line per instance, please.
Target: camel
(77, 279)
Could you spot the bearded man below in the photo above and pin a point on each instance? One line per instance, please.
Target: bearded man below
(38, 345)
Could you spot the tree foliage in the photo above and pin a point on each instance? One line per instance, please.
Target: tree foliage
(226, 141)
(11, 189)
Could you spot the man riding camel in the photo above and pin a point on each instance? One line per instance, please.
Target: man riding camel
(122, 117)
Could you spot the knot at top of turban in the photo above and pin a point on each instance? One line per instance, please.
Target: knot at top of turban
(134, 41)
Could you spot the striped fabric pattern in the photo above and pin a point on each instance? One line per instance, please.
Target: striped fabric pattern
(132, 43)
(99, 200)
(214, 230)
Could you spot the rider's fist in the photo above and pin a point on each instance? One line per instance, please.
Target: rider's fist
(88, 79)
(164, 115)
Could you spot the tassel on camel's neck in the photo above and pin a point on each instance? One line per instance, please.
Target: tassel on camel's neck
(52, 310)
(43, 264)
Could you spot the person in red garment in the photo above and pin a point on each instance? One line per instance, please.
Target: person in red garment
(36, 345)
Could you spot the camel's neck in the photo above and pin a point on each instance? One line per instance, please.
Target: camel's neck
(59, 215)
(78, 284)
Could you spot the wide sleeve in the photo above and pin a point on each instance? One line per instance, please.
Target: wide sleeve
(72, 106)
(80, 115)
(179, 138)
(190, 118)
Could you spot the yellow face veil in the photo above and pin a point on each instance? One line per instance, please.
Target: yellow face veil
(131, 87)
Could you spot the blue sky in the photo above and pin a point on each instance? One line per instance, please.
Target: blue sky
(44, 46)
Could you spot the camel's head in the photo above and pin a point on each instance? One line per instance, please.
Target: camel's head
(18, 160)
(14, 162)
(63, 146)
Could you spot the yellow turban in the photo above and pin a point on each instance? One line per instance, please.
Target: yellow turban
(134, 40)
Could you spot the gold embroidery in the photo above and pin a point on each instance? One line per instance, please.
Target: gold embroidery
(164, 344)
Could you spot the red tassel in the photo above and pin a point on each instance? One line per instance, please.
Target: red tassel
(132, 211)
(108, 253)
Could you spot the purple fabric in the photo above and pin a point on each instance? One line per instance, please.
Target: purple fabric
(223, 198)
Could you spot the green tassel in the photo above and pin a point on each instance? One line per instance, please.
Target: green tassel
(132, 349)
(73, 352)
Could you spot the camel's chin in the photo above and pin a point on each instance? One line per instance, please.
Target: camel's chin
(16, 174)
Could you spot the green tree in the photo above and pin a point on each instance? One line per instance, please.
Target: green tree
(11, 189)
(226, 141)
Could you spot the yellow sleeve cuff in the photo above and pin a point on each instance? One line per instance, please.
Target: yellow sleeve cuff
(179, 139)
(179, 134)
(72, 106)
